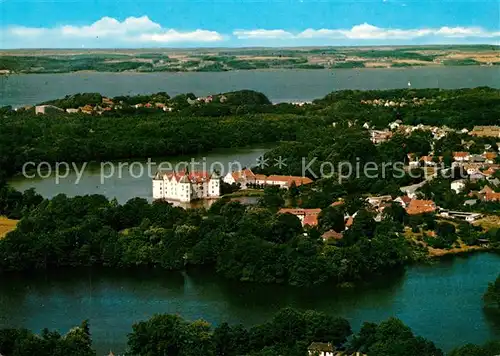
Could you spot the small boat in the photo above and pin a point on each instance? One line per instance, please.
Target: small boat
(409, 84)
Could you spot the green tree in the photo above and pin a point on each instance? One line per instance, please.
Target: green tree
(492, 295)
(331, 218)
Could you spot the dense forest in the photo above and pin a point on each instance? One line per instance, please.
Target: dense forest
(290, 332)
(238, 242)
(246, 118)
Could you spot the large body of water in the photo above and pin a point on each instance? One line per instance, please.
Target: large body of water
(278, 85)
(125, 183)
(441, 302)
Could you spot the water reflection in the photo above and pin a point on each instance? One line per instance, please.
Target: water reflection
(441, 302)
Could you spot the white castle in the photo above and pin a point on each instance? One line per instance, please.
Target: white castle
(186, 186)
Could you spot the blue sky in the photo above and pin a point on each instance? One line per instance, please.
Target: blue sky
(234, 23)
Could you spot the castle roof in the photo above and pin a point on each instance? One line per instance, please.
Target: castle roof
(184, 176)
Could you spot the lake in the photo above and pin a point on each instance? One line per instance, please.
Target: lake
(278, 85)
(132, 180)
(441, 302)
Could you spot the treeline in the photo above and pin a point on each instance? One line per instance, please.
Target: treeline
(289, 332)
(22, 342)
(81, 138)
(244, 118)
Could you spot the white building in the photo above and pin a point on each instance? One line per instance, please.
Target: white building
(246, 177)
(243, 178)
(186, 186)
(46, 109)
(458, 185)
(321, 349)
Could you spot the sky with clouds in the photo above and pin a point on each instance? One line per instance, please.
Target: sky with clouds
(241, 23)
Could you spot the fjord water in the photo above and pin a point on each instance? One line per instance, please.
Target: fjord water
(441, 302)
(278, 85)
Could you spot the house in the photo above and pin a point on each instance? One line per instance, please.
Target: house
(430, 160)
(417, 207)
(413, 161)
(87, 109)
(477, 158)
(461, 156)
(377, 202)
(72, 111)
(486, 190)
(492, 196)
(243, 177)
(246, 176)
(321, 349)
(394, 125)
(490, 157)
(404, 200)
(339, 202)
(332, 235)
(306, 216)
(490, 171)
(286, 181)
(47, 109)
(458, 185)
(186, 186)
(107, 101)
(470, 202)
(476, 176)
(494, 181)
(380, 136)
(260, 179)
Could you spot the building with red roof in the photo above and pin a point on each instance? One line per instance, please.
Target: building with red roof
(306, 216)
(417, 207)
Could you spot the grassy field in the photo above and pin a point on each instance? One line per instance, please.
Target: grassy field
(489, 222)
(6, 226)
(439, 252)
(245, 193)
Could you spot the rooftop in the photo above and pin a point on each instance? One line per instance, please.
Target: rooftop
(321, 346)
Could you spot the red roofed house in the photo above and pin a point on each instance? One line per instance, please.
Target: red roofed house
(185, 186)
(332, 235)
(247, 176)
(461, 156)
(404, 200)
(286, 181)
(107, 101)
(490, 157)
(306, 216)
(243, 177)
(417, 207)
(492, 196)
(337, 203)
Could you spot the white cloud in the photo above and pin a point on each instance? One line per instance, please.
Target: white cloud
(143, 32)
(366, 31)
(106, 32)
(262, 34)
(175, 36)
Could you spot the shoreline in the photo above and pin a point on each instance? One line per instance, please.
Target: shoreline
(381, 67)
